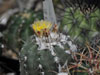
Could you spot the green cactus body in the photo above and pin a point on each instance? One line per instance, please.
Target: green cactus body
(81, 27)
(19, 28)
(46, 55)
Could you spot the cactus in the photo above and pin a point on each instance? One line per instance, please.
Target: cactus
(81, 21)
(19, 28)
(45, 52)
(86, 62)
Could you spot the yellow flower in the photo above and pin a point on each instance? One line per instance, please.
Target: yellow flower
(42, 28)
